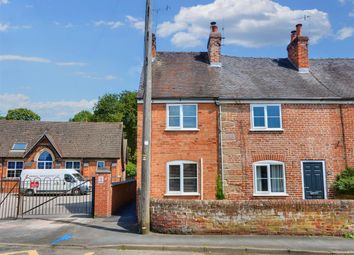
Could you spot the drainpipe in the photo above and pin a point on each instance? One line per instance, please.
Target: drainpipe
(221, 153)
(343, 136)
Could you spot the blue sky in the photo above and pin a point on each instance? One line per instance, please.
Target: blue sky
(58, 57)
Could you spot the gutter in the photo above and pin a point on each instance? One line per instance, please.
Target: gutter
(221, 153)
(343, 136)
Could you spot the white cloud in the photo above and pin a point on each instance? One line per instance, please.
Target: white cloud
(351, 14)
(71, 64)
(344, 33)
(94, 76)
(23, 59)
(64, 25)
(249, 23)
(110, 24)
(38, 60)
(4, 2)
(4, 27)
(136, 23)
(48, 110)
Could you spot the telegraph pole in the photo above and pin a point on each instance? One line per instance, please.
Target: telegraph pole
(146, 143)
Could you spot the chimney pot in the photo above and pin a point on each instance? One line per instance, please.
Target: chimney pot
(214, 27)
(298, 29)
(293, 35)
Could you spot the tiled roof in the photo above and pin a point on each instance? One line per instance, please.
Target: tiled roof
(73, 139)
(188, 75)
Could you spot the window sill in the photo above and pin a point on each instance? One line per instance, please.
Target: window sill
(181, 194)
(182, 129)
(266, 129)
(271, 195)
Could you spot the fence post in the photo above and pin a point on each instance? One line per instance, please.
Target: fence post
(93, 185)
(103, 193)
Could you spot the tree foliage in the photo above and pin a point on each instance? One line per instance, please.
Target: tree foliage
(2, 118)
(22, 114)
(83, 116)
(344, 183)
(120, 107)
(131, 169)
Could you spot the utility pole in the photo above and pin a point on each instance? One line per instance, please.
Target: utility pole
(146, 143)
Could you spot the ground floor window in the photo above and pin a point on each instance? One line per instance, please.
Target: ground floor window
(73, 165)
(182, 177)
(14, 169)
(269, 178)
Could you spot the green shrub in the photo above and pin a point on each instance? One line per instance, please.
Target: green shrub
(219, 192)
(131, 169)
(344, 183)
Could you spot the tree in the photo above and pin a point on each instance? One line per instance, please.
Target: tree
(116, 108)
(22, 114)
(2, 118)
(83, 116)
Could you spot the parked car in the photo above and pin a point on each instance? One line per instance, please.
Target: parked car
(69, 181)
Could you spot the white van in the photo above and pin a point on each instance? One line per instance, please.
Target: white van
(69, 181)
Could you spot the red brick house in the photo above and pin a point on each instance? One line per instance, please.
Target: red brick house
(83, 146)
(270, 128)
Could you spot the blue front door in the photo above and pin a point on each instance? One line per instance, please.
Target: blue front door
(313, 180)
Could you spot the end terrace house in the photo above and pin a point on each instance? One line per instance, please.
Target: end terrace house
(279, 128)
(83, 146)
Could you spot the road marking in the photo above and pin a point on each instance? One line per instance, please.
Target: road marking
(87, 253)
(62, 238)
(30, 252)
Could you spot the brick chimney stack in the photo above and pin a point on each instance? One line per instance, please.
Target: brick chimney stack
(214, 46)
(153, 48)
(298, 50)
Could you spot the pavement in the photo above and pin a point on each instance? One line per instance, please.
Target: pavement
(117, 234)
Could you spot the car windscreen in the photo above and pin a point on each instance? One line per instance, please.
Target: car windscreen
(79, 177)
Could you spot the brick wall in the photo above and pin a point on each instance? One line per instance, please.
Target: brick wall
(181, 145)
(311, 132)
(122, 194)
(297, 217)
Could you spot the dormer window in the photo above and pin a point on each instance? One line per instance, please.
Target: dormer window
(19, 147)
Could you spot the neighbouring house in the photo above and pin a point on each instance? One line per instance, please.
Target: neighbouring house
(84, 146)
(270, 128)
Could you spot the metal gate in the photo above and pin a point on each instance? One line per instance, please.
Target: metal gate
(9, 198)
(56, 197)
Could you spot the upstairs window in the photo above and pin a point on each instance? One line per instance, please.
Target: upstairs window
(266, 117)
(101, 165)
(45, 161)
(182, 117)
(182, 178)
(14, 169)
(73, 165)
(19, 147)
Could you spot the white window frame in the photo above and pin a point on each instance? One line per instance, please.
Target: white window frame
(180, 118)
(104, 164)
(324, 176)
(267, 163)
(16, 161)
(180, 193)
(45, 165)
(73, 161)
(265, 128)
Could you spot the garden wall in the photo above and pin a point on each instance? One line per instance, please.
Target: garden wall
(290, 217)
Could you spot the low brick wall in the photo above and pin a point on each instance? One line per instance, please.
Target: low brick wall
(122, 194)
(299, 217)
